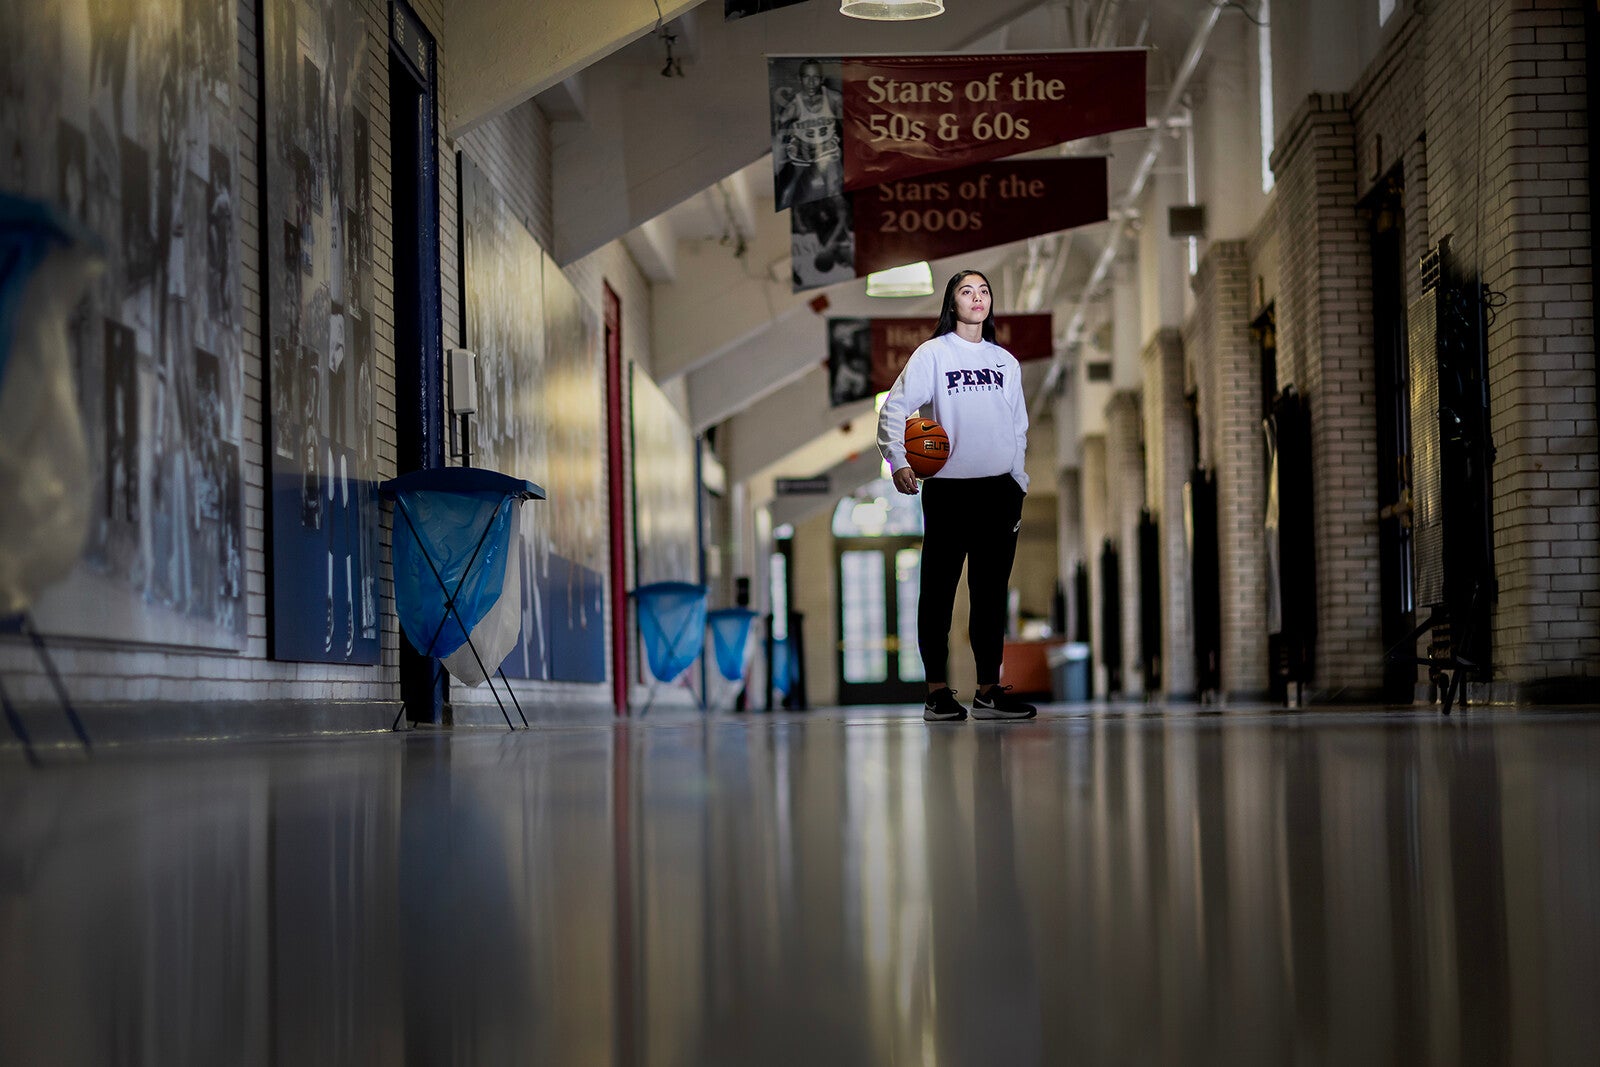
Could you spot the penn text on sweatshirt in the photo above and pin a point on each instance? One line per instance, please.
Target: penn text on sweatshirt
(975, 390)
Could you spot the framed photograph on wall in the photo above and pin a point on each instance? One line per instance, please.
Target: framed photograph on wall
(539, 417)
(322, 544)
(125, 118)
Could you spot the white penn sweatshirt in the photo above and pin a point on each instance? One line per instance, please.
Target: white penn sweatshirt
(976, 393)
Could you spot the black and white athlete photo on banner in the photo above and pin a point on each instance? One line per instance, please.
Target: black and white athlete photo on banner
(807, 129)
(849, 360)
(822, 243)
(123, 117)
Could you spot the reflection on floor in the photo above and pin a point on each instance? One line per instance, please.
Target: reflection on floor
(1109, 886)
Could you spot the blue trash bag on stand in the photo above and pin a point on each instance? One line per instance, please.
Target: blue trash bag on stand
(467, 540)
(730, 636)
(672, 625)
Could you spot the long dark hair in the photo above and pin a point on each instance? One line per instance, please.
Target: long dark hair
(947, 314)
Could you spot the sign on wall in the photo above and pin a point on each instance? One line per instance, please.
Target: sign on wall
(865, 356)
(852, 235)
(846, 123)
(124, 117)
(539, 417)
(321, 413)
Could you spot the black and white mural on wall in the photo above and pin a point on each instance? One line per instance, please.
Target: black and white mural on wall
(664, 488)
(124, 115)
(539, 417)
(319, 332)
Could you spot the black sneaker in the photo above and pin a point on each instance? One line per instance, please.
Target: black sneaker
(998, 703)
(942, 706)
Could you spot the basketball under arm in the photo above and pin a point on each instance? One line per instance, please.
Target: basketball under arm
(910, 391)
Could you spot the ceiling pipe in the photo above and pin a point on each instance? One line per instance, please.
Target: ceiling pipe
(1105, 22)
(1141, 174)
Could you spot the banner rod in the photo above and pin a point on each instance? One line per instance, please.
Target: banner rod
(1180, 84)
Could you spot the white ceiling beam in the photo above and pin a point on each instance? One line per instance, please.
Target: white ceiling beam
(720, 300)
(793, 432)
(792, 346)
(654, 248)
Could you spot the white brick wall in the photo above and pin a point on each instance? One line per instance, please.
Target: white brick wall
(1511, 186)
(1324, 347)
(1484, 105)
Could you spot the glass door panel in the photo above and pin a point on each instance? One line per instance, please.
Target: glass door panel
(878, 660)
(863, 616)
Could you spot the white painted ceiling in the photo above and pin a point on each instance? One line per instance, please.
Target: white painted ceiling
(678, 169)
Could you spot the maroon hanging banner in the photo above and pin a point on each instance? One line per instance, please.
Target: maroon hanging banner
(940, 215)
(865, 356)
(847, 123)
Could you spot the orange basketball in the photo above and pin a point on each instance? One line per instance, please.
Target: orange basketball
(927, 446)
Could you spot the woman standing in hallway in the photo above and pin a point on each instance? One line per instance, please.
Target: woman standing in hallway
(972, 508)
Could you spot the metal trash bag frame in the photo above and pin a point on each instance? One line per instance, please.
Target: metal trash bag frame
(475, 482)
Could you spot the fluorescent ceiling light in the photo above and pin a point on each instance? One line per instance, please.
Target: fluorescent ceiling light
(914, 279)
(891, 10)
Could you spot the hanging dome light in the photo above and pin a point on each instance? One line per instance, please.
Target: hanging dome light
(913, 279)
(891, 10)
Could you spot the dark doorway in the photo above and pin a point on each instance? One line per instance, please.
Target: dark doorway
(1111, 617)
(1205, 579)
(1393, 385)
(1150, 601)
(414, 221)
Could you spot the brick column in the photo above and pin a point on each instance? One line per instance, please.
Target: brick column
(1093, 486)
(1325, 350)
(1169, 453)
(1124, 500)
(1070, 549)
(1230, 379)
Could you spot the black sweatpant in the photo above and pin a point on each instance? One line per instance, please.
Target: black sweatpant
(975, 521)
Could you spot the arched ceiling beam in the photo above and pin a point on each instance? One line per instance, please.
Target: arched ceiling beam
(517, 50)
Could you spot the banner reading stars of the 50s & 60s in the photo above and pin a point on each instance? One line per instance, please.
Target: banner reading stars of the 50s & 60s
(847, 123)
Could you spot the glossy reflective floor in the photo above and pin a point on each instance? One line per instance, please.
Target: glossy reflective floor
(1117, 886)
